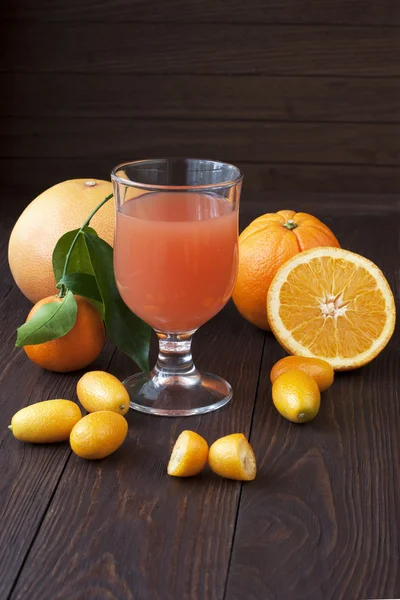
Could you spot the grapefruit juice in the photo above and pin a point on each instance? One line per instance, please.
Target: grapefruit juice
(176, 257)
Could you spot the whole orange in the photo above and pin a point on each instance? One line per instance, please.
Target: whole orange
(264, 246)
(75, 350)
(320, 370)
(59, 209)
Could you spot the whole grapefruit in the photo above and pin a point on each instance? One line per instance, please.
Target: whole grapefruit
(59, 209)
(264, 246)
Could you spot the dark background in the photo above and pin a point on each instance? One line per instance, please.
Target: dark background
(303, 95)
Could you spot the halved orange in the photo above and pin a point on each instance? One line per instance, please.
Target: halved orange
(332, 304)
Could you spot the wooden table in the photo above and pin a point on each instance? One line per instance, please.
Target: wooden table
(321, 521)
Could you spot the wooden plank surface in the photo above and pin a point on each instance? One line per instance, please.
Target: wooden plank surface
(222, 97)
(323, 507)
(29, 474)
(386, 12)
(322, 521)
(31, 176)
(233, 141)
(201, 49)
(162, 521)
(123, 527)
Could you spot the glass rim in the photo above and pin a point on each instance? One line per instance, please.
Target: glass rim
(162, 187)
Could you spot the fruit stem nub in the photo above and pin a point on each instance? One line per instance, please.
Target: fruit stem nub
(290, 224)
(63, 289)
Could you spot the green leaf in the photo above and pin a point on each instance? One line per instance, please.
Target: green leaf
(85, 285)
(51, 321)
(128, 332)
(79, 261)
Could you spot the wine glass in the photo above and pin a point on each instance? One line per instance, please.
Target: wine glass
(175, 263)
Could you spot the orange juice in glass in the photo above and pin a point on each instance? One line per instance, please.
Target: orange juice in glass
(175, 262)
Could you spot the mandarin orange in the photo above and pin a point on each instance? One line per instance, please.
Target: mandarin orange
(75, 350)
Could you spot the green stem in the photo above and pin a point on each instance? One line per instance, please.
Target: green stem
(290, 224)
(63, 289)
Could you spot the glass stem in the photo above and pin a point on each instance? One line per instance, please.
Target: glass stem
(175, 356)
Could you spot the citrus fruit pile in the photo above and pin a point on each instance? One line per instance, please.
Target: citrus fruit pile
(54, 246)
(102, 431)
(319, 300)
(330, 308)
(94, 436)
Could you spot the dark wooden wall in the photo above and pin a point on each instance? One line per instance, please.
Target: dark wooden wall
(303, 94)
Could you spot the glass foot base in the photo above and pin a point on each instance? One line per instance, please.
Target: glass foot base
(177, 396)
